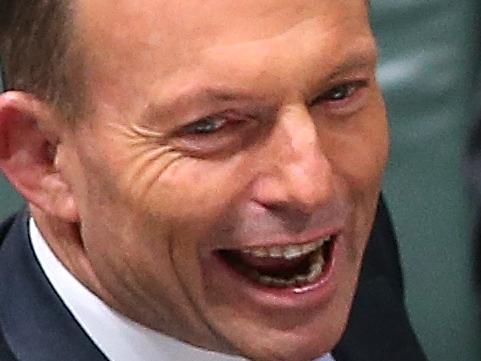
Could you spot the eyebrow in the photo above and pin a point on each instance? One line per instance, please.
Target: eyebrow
(199, 94)
(356, 60)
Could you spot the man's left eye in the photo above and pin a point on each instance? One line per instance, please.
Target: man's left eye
(341, 92)
(343, 99)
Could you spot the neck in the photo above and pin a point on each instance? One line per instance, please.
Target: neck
(66, 243)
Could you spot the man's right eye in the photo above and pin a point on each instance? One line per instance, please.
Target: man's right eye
(207, 125)
(215, 133)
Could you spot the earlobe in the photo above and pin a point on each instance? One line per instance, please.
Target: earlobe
(29, 144)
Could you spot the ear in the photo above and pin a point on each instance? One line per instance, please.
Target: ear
(29, 138)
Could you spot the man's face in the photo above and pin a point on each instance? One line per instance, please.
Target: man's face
(228, 177)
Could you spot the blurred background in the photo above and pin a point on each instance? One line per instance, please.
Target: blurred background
(430, 59)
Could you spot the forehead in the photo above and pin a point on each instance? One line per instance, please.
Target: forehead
(175, 24)
(159, 37)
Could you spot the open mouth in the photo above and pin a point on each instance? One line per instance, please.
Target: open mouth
(282, 266)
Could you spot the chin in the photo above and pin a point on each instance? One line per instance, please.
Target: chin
(307, 340)
(293, 349)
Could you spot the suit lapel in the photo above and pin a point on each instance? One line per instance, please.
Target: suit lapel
(378, 328)
(36, 324)
(5, 352)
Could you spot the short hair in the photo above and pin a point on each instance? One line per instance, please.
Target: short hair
(37, 52)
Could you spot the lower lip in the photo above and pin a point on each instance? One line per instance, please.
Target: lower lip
(314, 294)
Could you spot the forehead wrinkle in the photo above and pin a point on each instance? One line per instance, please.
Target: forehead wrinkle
(307, 33)
(267, 57)
(360, 57)
(112, 54)
(266, 20)
(198, 90)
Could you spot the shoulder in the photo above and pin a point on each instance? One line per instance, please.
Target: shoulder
(15, 225)
(5, 351)
(5, 226)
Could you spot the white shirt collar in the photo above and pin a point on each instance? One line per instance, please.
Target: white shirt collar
(118, 337)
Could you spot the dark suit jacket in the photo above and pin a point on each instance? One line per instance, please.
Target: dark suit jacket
(36, 326)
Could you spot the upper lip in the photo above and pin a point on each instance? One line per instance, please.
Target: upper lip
(284, 241)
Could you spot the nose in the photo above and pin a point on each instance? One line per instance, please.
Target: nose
(295, 174)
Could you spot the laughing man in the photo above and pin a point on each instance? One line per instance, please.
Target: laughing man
(202, 179)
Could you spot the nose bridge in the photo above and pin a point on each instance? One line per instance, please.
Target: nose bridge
(300, 165)
(297, 135)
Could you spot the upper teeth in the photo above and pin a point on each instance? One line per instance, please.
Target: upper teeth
(287, 252)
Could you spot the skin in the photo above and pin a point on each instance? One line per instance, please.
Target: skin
(135, 201)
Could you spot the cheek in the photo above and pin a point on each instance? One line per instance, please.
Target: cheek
(358, 152)
(358, 155)
(198, 194)
(157, 182)
(158, 209)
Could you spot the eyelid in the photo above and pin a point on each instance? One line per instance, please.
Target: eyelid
(235, 131)
(225, 119)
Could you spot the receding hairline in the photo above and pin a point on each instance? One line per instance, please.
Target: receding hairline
(44, 57)
(38, 52)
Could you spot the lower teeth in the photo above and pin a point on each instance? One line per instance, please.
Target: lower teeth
(315, 271)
